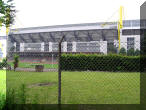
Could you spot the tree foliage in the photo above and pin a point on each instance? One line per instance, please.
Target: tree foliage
(131, 52)
(7, 13)
(112, 49)
(3, 63)
(122, 51)
(16, 61)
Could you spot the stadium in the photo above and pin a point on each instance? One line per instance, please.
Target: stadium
(84, 78)
(101, 75)
(97, 37)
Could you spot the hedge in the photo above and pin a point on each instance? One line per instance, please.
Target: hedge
(95, 62)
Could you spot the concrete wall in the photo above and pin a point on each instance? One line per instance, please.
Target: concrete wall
(136, 43)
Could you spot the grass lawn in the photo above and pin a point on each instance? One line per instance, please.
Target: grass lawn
(32, 65)
(2, 81)
(78, 87)
(2, 88)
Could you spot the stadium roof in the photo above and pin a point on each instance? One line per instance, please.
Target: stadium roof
(68, 27)
(53, 33)
(71, 27)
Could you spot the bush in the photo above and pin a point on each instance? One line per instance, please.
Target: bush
(131, 52)
(112, 49)
(94, 62)
(137, 52)
(122, 51)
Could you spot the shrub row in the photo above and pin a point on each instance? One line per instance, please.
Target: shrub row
(94, 62)
(130, 52)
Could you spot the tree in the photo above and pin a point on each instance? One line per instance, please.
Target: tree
(3, 63)
(137, 52)
(7, 13)
(16, 61)
(122, 51)
(112, 49)
(130, 52)
(2, 11)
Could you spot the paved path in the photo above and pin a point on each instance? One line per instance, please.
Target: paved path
(33, 69)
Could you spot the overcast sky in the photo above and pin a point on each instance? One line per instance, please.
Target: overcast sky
(57, 12)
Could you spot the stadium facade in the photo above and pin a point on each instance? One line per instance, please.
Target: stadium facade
(88, 37)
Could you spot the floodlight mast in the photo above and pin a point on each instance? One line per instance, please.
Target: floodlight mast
(120, 25)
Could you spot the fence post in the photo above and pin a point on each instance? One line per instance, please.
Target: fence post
(59, 71)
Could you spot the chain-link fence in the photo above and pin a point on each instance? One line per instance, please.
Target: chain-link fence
(33, 77)
(102, 73)
(87, 73)
(94, 72)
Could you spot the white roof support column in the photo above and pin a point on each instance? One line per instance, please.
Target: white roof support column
(103, 47)
(137, 42)
(74, 45)
(21, 47)
(64, 46)
(42, 46)
(50, 46)
(15, 46)
(123, 42)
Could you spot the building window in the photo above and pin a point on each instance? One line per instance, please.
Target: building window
(127, 23)
(17, 47)
(130, 43)
(32, 47)
(136, 23)
(131, 32)
(55, 47)
(69, 47)
(46, 47)
(88, 47)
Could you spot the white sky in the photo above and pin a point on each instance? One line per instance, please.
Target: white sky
(56, 12)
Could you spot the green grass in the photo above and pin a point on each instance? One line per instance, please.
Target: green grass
(2, 81)
(32, 65)
(78, 87)
(2, 88)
